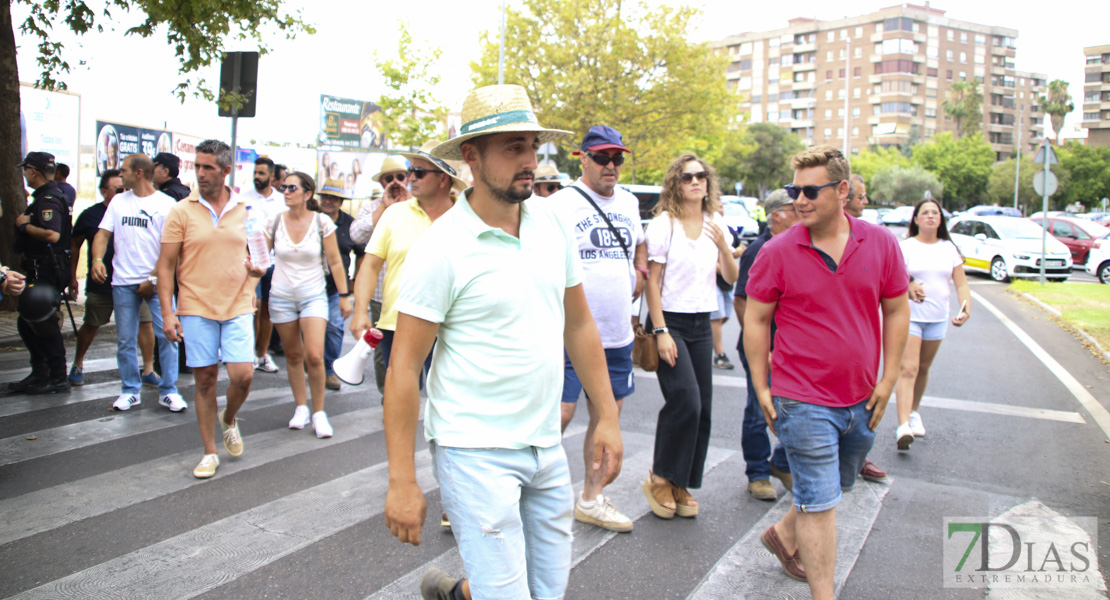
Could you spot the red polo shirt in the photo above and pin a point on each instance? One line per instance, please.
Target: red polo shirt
(829, 331)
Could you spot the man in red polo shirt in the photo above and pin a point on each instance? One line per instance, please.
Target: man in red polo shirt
(824, 402)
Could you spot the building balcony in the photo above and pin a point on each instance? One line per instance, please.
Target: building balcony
(1002, 147)
(805, 85)
(801, 124)
(802, 102)
(800, 48)
(810, 66)
(1002, 51)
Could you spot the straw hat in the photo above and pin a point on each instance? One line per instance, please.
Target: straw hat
(496, 109)
(389, 165)
(332, 187)
(550, 174)
(452, 171)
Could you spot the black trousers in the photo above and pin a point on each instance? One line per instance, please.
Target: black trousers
(682, 432)
(44, 339)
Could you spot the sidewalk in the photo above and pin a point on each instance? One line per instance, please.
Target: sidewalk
(9, 335)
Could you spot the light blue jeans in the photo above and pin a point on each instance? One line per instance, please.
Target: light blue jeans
(511, 512)
(126, 304)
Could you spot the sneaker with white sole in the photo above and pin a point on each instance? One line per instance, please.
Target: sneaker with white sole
(207, 466)
(437, 585)
(320, 425)
(904, 435)
(603, 514)
(916, 425)
(233, 442)
(265, 364)
(174, 402)
(126, 401)
(300, 418)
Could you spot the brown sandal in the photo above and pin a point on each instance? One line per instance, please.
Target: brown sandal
(685, 504)
(658, 496)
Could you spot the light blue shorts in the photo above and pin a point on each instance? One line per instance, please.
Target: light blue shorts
(930, 332)
(287, 311)
(233, 339)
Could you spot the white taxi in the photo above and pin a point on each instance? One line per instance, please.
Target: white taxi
(1098, 261)
(1008, 247)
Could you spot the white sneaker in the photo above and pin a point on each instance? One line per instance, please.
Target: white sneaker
(174, 402)
(904, 435)
(126, 401)
(603, 514)
(265, 364)
(321, 425)
(300, 418)
(916, 425)
(207, 466)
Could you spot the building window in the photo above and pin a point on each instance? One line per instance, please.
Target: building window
(859, 32)
(840, 93)
(828, 94)
(951, 35)
(840, 73)
(932, 52)
(963, 37)
(930, 92)
(896, 66)
(855, 132)
(856, 93)
(1090, 116)
(828, 113)
(948, 74)
(879, 48)
(855, 111)
(858, 52)
(828, 55)
(963, 58)
(980, 39)
(840, 113)
(931, 72)
(857, 72)
(949, 55)
(930, 113)
(830, 36)
(898, 107)
(839, 132)
(828, 75)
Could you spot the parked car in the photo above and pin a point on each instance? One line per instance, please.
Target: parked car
(1078, 235)
(1006, 247)
(648, 195)
(1051, 213)
(740, 222)
(871, 216)
(900, 216)
(983, 210)
(1098, 261)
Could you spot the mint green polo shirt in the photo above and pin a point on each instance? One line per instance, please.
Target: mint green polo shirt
(497, 370)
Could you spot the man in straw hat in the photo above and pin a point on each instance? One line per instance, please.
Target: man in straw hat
(497, 280)
(548, 181)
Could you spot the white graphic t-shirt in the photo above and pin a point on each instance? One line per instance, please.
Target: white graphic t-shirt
(136, 224)
(609, 278)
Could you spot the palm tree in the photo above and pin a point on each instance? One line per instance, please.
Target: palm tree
(964, 104)
(1057, 103)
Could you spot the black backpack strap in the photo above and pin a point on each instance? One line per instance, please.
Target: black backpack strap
(627, 254)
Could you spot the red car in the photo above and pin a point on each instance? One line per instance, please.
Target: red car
(1079, 235)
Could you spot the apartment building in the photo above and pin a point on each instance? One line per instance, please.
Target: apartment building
(1096, 96)
(881, 79)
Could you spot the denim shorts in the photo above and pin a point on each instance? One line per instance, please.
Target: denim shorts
(262, 290)
(233, 338)
(724, 305)
(620, 375)
(930, 332)
(826, 447)
(287, 311)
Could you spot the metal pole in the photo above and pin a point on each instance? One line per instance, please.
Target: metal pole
(1017, 171)
(1044, 209)
(237, 72)
(501, 58)
(847, 80)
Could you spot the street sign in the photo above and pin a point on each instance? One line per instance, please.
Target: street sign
(1046, 151)
(739, 187)
(1045, 182)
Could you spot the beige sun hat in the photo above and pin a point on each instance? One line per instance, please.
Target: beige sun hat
(550, 174)
(457, 181)
(390, 164)
(496, 109)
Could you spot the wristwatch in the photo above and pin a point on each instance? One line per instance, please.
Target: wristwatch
(659, 330)
(153, 279)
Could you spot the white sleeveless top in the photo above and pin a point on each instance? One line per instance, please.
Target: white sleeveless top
(299, 267)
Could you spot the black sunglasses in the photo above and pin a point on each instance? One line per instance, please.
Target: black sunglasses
(399, 177)
(551, 188)
(120, 190)
(810, 191)
(288, 187)
(419, 173)
(604, 159)
(689, 177)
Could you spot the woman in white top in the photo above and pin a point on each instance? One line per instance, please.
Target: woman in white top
(932, 259)
(687, 244)
(302, 240)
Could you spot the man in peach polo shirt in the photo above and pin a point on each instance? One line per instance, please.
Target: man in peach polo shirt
(205, 242)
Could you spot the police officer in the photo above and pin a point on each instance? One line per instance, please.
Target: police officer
(42, 235)
(166, 169)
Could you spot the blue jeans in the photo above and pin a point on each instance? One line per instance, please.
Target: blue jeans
(826, 446)
(754, 441)
(511, 512)
(333, 339)
(126, 305)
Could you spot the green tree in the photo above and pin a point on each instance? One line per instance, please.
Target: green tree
(727, 156)
(1000, 188)
(1088, 173)
(965, 106)
(412, 114)
(196, 30)
(1057, 103)
(590, 62)
(869, 162)
(767, 165)
(900, 185)
(963, 165)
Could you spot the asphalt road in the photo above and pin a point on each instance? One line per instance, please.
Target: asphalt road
(103, 505)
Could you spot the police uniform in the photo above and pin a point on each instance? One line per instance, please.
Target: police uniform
(175, 189)
(46, 263)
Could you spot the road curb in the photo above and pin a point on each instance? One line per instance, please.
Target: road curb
(1082, 334)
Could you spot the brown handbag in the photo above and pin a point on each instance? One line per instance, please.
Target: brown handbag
(645, 348)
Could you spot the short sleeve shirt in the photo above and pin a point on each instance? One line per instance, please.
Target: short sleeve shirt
(398, 229)
(932, 265)
(88, 223)
(829, 334)
(690, 272)
(346, 246)
(497, 369)
(136, 225)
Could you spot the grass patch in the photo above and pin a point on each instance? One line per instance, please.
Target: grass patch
(1086, 306)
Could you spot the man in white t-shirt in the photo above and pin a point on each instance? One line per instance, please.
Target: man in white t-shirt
(264, 196)
(133, 222)
(605, 219)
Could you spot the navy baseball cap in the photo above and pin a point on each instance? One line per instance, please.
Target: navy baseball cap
(602, 137)
(167, 160)
(40, 161)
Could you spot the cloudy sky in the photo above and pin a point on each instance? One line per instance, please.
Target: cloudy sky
(131, 80)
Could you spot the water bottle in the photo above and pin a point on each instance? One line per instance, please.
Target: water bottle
(256, 238)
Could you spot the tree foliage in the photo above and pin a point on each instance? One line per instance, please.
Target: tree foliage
(1001, 186)
(962, 165)
(767, 165)
(899, 185)
(1057, 103)
(869, 162)
(1088, 171)
(965, 106)
(590, 62)
(412, 114)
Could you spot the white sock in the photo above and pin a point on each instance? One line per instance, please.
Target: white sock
(587, 504)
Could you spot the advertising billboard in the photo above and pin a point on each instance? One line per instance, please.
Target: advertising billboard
(51, 122)
(349, 171)
(354, 124)
(116, 141)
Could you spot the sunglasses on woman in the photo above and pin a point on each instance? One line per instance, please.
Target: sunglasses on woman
(604, 159)
(399, 177)
(810, 191)
(288, 187)
(690, 177)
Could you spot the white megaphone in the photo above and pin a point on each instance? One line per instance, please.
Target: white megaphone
(349, 368)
